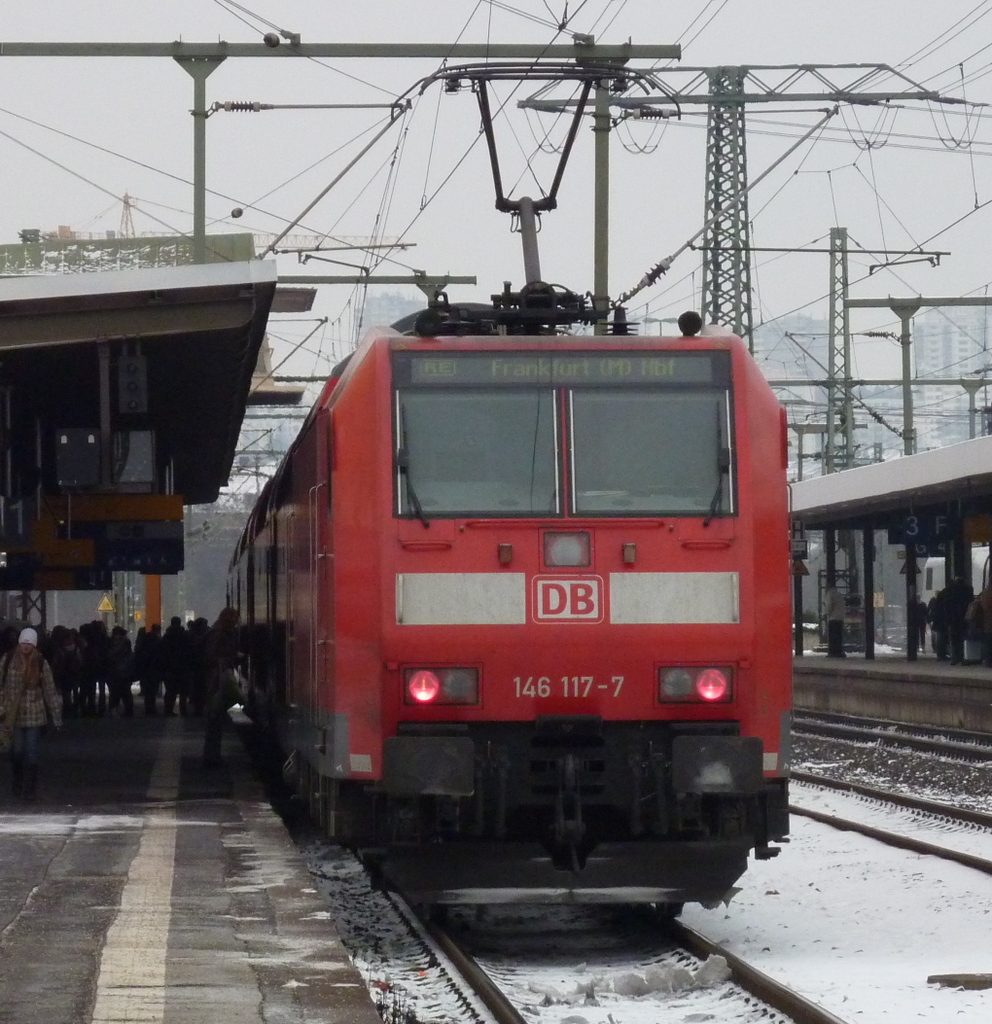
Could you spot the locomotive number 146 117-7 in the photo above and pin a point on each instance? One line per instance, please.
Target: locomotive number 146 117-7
(566, 686)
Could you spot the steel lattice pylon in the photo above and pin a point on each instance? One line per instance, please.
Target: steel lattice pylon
(726, 291)
(840, 410)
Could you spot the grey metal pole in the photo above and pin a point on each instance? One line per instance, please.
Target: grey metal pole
(601, 203)
(868, 553)
(972, 387)
(528, 237)
(199, 69)
(906, 312)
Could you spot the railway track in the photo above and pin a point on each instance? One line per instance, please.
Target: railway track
(458, 968)
(762, 987)
(936, 809)
(947, 742)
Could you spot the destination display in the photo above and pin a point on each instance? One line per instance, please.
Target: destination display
(566, 369)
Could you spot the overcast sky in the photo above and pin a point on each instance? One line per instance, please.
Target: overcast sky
(907, 188)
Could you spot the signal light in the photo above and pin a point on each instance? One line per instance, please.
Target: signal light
(690, 685)
(441, 686)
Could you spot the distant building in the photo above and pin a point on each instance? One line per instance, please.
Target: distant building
(950, 342)
(385, 308)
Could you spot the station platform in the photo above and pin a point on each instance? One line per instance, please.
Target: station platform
(925, 692)
(141, 886)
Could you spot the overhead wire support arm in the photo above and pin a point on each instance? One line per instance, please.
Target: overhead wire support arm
(254, 107)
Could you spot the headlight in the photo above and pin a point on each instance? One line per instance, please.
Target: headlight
(567, 550)
(441, 686)
(691, 685)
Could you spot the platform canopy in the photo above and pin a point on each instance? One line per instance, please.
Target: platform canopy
(199, 327)
(958, 474)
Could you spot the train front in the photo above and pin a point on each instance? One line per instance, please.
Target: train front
(585, 632)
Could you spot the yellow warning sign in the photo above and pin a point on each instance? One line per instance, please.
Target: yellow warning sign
(799, 567)
(105, 605)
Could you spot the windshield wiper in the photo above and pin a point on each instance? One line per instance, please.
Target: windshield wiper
(722, 469)
(403, 465)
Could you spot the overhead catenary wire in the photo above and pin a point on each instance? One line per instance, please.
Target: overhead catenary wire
(662, 267)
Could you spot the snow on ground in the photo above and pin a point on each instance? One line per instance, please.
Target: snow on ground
(860, 926)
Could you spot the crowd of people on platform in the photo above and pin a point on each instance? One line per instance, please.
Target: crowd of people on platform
(91, 672)
(94, 669)
(960, 623)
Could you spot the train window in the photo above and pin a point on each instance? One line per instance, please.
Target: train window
(473, 451)
(657, 451)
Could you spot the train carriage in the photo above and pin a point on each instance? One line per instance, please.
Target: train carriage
(529, 603)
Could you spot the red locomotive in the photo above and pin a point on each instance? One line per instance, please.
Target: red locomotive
(519, 607)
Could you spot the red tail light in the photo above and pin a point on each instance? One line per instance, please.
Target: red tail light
(423, 686)
(712, 684)
(686, 684)
(441, 686)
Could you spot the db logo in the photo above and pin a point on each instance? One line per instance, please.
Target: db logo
(568, 598)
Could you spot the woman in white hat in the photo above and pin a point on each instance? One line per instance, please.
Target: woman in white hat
(26, 690)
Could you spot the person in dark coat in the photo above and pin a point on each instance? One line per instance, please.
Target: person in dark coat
(97, 665)
(921, 624)
(174, 663)
(120, 671)
(221, 655)
(146, 666)
(197, 635)
(937, 616)
(959, 597)
(67, 668)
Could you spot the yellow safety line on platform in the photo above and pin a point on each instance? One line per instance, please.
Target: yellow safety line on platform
(131, 980)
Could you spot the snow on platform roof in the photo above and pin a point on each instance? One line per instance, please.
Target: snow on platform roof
(956, 472)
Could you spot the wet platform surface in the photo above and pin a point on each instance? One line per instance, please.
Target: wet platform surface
(141, 886)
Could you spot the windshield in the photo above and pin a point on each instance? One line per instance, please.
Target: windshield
(650, 451)
(469, 451)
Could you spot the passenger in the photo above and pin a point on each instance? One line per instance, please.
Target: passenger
(959, 596)
(973, 631)
(985, 601)
(221, 656)
(921, 624)
(96, 664)
(27, 689)
(174, 663)
(937, 616)
(835, 611)
(67, 668)
(146, 666)
(8, 640)
(198, 630)
(120, 671)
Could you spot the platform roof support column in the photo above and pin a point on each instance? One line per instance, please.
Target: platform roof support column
(868, 551)
(912, 634)
(153, 601)
(830, 553)
(601, 203)
(199, 69)
(797, 613)
(906, 311)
